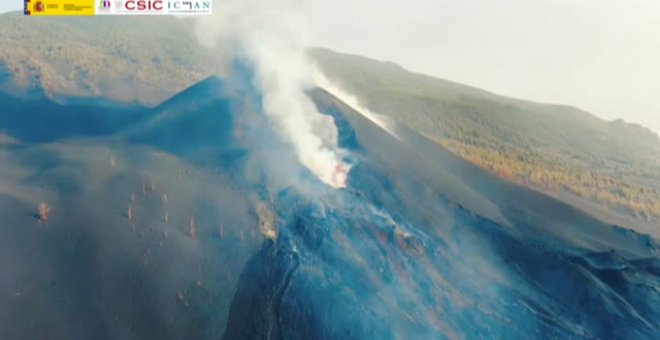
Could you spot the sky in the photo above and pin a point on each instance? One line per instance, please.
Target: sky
(601, 56)
(10, 5)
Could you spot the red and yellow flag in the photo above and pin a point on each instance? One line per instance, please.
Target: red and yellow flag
(59, 7)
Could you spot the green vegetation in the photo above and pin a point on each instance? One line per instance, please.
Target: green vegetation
(547, 147)
(143, 59)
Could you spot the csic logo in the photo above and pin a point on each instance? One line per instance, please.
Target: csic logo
(144, 5)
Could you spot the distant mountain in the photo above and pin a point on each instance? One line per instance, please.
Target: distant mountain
(610, 169)
(560, 150)
(142, 59)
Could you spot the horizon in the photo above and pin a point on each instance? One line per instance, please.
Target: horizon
(614, 99)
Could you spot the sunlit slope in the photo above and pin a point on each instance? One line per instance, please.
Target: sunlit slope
(561, 150)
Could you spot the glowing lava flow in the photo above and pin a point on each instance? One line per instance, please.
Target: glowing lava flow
(340, 176)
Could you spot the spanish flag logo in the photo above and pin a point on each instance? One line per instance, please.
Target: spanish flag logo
(58, 7)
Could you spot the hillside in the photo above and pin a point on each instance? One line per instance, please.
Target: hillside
(147, 241)
(124, 58)
(557, 149)
(611, 169)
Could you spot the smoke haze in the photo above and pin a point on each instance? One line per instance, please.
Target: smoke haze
(345, 97)
(272, 36)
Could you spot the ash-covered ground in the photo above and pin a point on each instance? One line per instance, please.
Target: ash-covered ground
(195, 220)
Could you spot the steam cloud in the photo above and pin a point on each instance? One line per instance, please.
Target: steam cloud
(352, 101)
(272, 36)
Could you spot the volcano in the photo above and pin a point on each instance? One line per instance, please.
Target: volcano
(195, 220)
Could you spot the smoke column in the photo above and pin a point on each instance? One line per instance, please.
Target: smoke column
(272, 36)
(352, 101)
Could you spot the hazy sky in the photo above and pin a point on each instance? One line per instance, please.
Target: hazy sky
(10, 5)
(600, 55)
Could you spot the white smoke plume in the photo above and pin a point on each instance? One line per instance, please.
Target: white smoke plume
(347, 98)
(272, 35)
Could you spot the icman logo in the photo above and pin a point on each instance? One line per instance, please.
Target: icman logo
(189, 6)
(144, 5)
